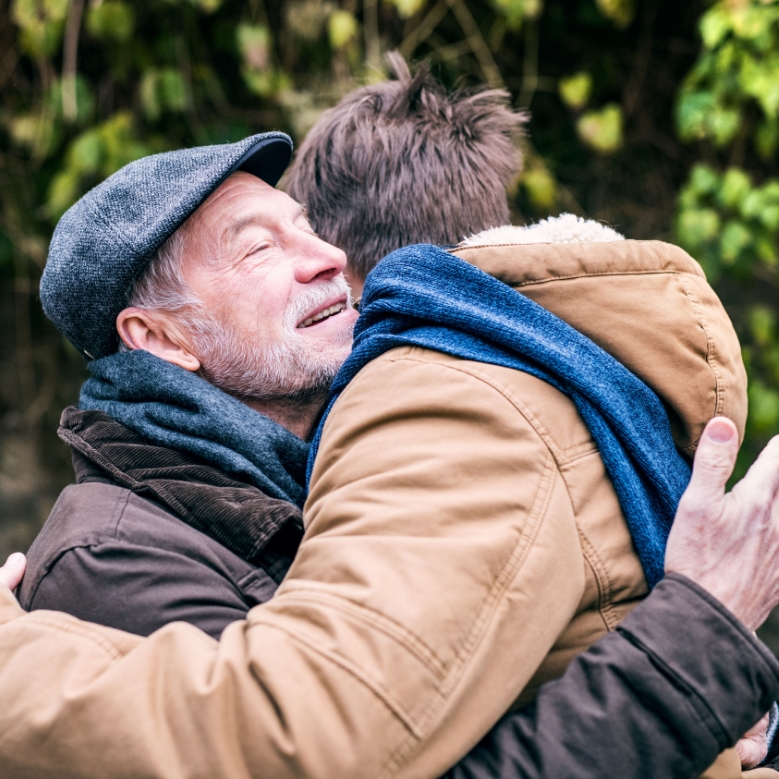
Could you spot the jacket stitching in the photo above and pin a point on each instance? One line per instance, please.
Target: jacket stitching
(354, 670)
(578, 452)
(711, 361)
(600, 572)
(77, 629)
(509, 396)
(565, 457)
(562, 456)
(502, 389)
(650, 272)
(46, 569)
(119, 509)
(645, 272)
(484, 619)
(406, 638)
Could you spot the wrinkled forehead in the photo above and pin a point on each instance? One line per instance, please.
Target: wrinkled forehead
(222, 223)
(241, 201)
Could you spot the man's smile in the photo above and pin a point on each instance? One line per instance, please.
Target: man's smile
(324, 312)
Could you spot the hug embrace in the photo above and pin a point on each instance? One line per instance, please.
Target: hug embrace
(479, 529)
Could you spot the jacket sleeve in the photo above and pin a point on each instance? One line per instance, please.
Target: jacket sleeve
(679, 681)
(376, 657)
(671, 688)
(440, 536)
(139, 589)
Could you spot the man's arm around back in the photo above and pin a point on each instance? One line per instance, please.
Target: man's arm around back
(646, 701)
(84, 701)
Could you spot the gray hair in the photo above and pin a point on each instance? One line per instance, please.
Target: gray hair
(404, 161)
(162, 286)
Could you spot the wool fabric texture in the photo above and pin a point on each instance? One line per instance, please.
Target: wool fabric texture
(172, 407)
(107, 238)
(423, 296)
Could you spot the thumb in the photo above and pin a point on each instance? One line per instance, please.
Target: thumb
(714, 460)
(13, 570)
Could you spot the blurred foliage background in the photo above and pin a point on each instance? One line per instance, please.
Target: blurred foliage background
(657, 117)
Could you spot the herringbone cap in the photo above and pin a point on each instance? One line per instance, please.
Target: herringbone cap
(104, 241)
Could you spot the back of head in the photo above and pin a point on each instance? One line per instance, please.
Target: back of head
(404, 162)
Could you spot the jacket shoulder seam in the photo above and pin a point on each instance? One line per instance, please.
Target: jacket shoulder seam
(86, 539)
(52, 560)
(80, 629)
(562, 456)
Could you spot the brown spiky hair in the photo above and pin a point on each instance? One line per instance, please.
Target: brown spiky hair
(405, 161)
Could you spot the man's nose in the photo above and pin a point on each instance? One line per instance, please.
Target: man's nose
(318, 260)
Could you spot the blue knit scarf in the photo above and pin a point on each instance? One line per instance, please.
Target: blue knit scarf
(424, 296)
(173, 407)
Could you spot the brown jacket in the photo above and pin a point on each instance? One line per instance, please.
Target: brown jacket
(475, 484)
(150, 535)
(504, 460)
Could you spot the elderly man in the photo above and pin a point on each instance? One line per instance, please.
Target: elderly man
(295, 680)
(229, 344)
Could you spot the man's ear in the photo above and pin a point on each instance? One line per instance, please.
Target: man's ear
(156, 332)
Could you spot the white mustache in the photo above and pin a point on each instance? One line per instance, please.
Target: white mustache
(311, 299)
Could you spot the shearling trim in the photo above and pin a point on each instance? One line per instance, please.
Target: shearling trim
(566, 228)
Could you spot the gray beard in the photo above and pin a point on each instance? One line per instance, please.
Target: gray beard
(285, 369)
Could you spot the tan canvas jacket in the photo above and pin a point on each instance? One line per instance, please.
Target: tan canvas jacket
(463, 543)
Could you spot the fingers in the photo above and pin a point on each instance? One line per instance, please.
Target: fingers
(751, 751)
(13, 570)
(753, 747)
(714, 461)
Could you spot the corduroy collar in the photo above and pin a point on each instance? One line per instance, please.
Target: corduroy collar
(264, 531)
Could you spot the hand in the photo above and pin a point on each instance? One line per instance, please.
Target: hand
(13, 570)
(729, 543)
(753, 747)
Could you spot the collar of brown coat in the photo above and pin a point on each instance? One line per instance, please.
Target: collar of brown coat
(260, 529)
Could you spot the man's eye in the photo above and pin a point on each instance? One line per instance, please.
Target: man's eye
(306, 227)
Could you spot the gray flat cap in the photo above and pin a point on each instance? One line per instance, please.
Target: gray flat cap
(107, 238)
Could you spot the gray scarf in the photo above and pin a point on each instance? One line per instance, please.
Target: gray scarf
(173, 407)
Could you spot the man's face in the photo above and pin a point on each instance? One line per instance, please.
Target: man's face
(277, 311)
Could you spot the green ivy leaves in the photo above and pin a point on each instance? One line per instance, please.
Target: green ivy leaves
(575, 90)
(729, 219)
(602, 129)
(42, 23)
(93, 155)
(727, 222)
(739, 65)
(111, 20)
